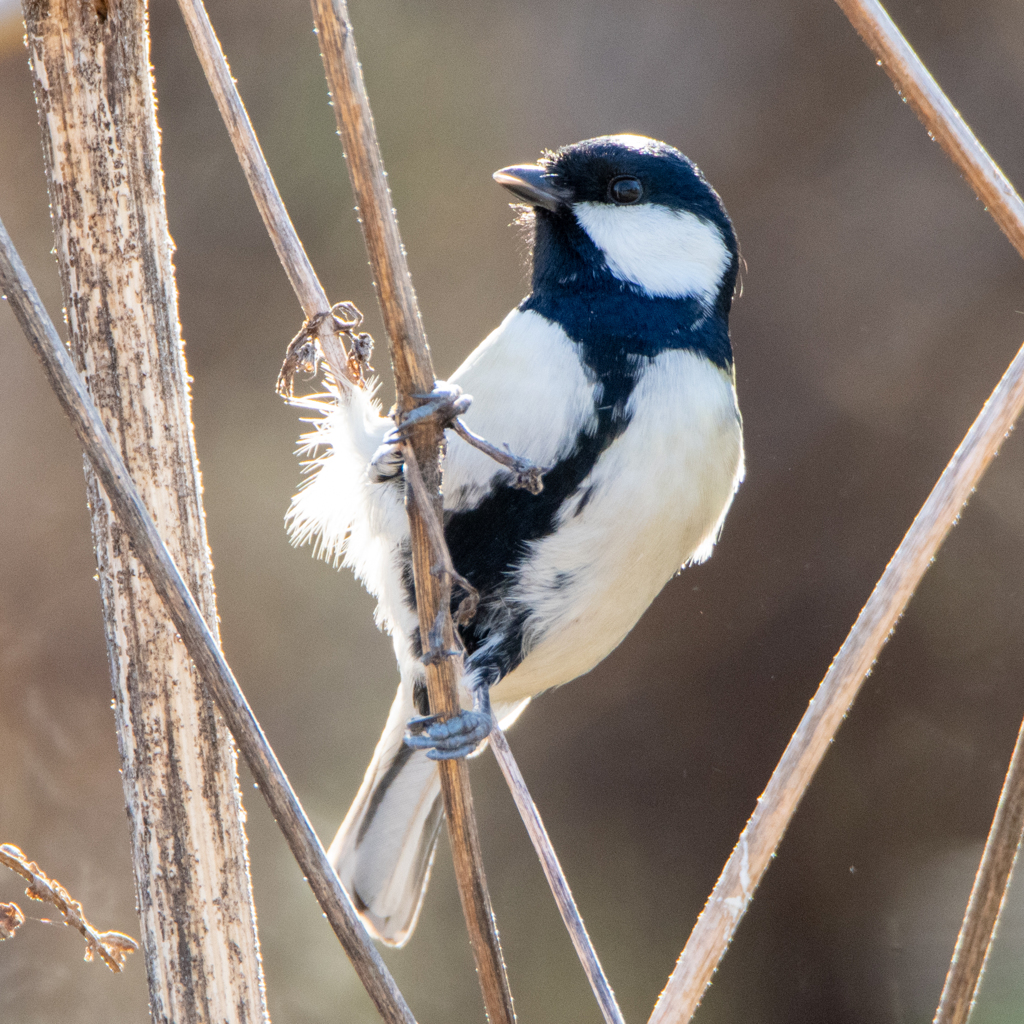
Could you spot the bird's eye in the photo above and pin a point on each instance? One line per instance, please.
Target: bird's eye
(625, 190)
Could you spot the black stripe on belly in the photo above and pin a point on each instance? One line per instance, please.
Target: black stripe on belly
(491, 540)
(617, 333)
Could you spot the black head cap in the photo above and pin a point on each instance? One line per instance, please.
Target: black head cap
(617, 170)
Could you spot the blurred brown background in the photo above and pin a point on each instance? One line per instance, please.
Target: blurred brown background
(880, 305)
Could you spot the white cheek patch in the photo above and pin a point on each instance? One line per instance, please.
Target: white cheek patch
(668, 253)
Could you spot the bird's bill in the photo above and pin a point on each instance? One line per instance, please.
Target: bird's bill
(531, 184)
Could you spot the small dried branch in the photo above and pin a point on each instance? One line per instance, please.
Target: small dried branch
(944, 123)
(527, 476)
(111, 947)
(556, 879)
(414, 375)
(346, 366)
(195, 634)
(987, 896)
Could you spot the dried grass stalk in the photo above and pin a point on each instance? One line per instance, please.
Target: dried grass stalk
(137, 524)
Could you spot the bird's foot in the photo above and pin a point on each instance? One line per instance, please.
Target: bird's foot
(455, 737)
(445, 404)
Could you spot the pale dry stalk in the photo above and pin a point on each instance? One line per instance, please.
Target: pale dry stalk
(289, 248)
(987, 896)
(757, 844)
(414, 376)
(90, 64)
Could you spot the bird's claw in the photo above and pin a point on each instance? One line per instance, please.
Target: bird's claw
(415, 726)
(445, 403)
(455, 737)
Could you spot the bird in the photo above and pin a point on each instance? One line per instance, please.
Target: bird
(615, 375)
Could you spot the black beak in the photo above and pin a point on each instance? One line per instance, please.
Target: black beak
(531, 184)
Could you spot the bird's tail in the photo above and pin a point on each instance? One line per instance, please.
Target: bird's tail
(385, 846)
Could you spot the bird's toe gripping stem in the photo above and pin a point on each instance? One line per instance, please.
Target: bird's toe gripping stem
(456, 736)
(445, 403)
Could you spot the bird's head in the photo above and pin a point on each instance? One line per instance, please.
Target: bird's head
(627, 212)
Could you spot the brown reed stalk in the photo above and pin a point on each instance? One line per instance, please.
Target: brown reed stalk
(987, 896)
(775, 808)
(289, 248)
(942, 120)
(199, 641)
(556, 879)
(414, 379)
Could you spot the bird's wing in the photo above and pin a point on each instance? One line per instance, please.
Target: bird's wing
(530, 392)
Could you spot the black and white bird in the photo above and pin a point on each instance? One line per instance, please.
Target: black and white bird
(615, 374)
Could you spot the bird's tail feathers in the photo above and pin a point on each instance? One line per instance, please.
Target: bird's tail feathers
(384, 848)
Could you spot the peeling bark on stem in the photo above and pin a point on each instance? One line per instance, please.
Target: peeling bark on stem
(100, 141)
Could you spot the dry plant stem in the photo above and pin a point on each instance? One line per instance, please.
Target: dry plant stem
(111, 947)
(938, 115)
(776, 806)
(789, 781)
(556, 879)
(414, 375)
(199, 641)
(290, 251)
(94, 94)
(314, 301)
(987, 896)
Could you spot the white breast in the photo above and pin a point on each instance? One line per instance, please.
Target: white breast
(659, 496)
(529, 391)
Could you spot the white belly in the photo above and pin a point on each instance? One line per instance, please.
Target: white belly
(660, 493)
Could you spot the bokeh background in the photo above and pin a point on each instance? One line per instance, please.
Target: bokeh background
(880, 305)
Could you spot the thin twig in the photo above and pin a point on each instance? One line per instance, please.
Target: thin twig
(414, 379)
(987, 896)
(556, 878)
(196, 635)
(777, 805)
(526, 476)
(441, 562)
(111, 947)
(944, 123)
(775, 809)
(290, 251)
